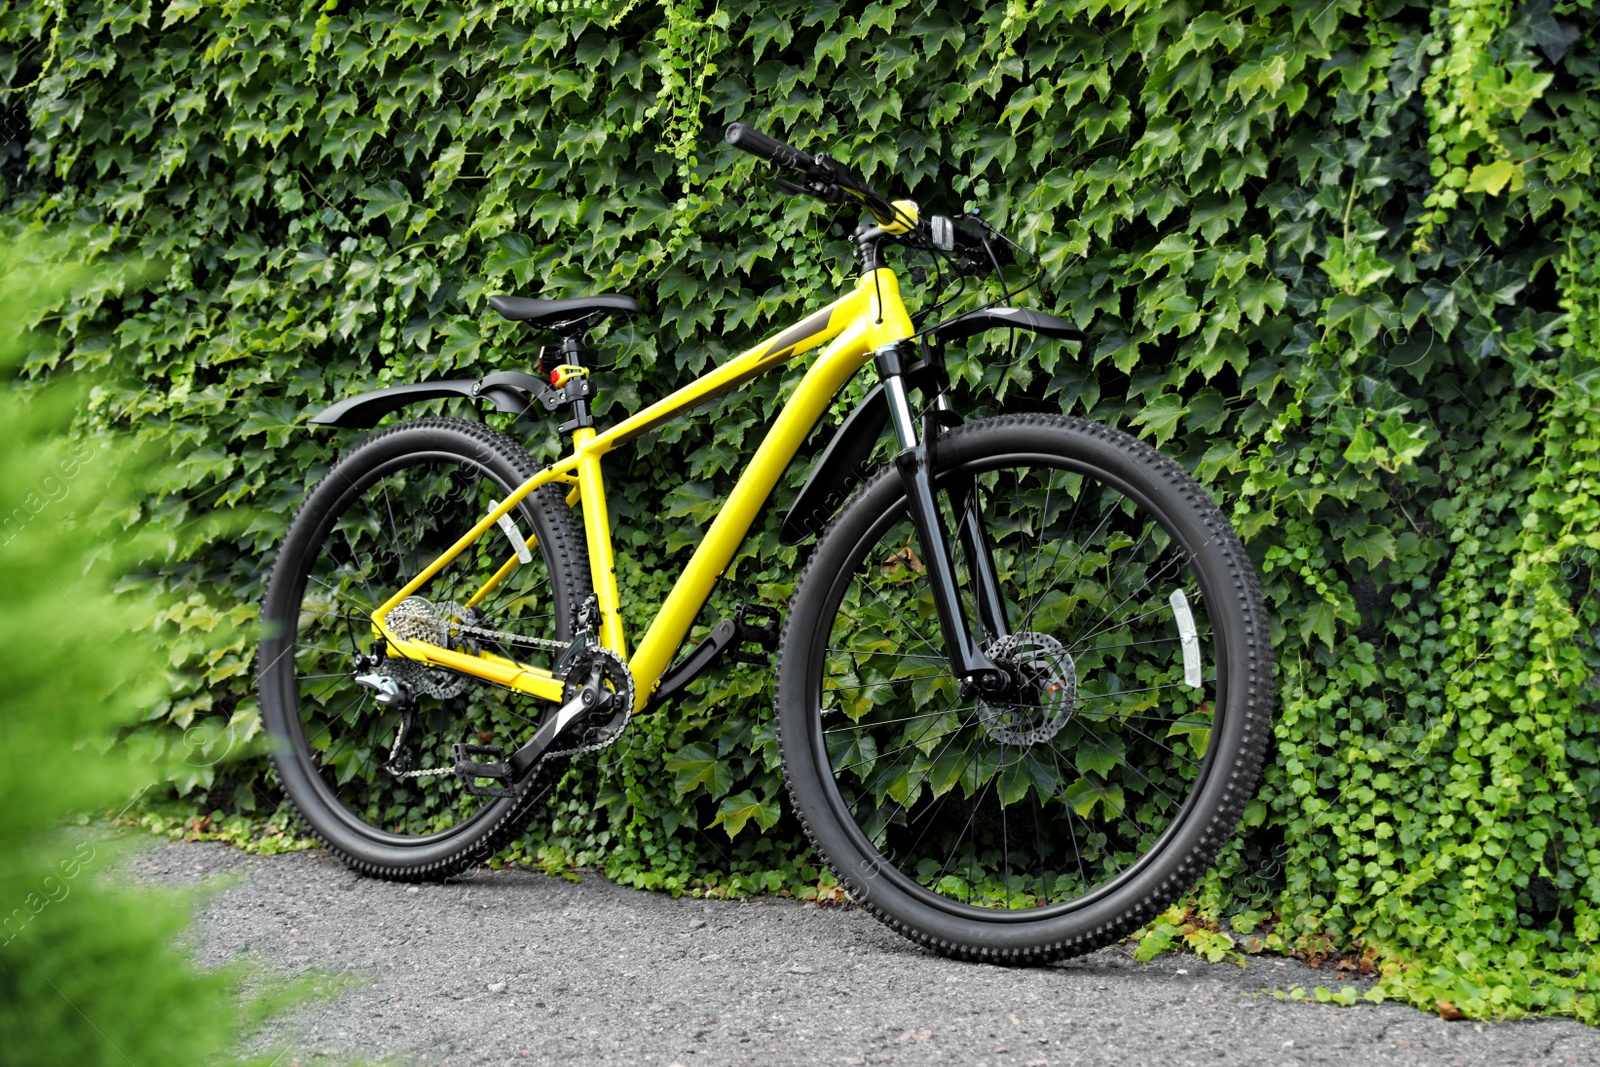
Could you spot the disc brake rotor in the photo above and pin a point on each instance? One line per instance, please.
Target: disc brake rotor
(1044, 693)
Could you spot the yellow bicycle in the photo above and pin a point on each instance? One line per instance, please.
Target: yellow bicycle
(1024, 687)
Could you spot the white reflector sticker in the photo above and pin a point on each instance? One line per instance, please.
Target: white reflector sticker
(1186, 634)
(517, 541)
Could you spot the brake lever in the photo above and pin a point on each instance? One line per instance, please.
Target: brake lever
(827, 192)
(843, 183)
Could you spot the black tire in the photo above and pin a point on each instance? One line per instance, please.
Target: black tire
(427, 481)
(851, 672)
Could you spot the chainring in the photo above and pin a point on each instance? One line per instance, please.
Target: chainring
(592, 736)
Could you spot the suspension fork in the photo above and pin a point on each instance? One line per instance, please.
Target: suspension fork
(914, 462)
(964, 503)
(974, 534)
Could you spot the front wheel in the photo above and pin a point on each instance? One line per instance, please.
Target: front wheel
(1063, 813)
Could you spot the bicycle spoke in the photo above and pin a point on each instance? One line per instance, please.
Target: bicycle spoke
(375, 544)
(1083, 546)
(394, 533)
(971, 857)
(951, 734)
(1034, 799)
(914, 631)
(884, 722)
(1159, 609)
(1140, 644)
(875, 685)
(1164, 748)
(925, 775)
(902, 748)
(1111, 615)
(894, 655)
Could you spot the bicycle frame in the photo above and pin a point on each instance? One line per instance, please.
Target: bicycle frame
(857, 324)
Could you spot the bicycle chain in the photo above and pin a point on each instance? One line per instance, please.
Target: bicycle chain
(511, 638)
(620, 676)
(622, 680)
(428, 772)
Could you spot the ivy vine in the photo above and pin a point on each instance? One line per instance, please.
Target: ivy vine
(1337, 256)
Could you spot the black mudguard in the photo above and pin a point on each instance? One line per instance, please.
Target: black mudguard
(843, 465)
(995, 318)
(513, 391)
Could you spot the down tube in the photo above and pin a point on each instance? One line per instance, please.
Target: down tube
(816, 391)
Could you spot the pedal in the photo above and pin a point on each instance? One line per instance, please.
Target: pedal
(750, 632)
(468, 769)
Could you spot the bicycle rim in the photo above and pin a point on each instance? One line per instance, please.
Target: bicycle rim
(1032, 805)
(382, 530)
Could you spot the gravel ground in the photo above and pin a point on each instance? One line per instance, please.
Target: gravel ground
(510, 967)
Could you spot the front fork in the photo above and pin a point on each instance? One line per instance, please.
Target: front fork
(978, 673)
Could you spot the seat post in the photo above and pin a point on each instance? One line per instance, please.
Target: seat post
(572, 356)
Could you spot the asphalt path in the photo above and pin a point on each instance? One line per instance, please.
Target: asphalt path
(511, 967)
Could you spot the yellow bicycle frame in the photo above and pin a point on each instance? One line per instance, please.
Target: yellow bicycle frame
(870, 316)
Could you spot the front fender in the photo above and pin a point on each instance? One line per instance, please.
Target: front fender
(511, 391)
(998, 318)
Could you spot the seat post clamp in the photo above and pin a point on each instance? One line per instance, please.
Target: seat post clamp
(566, 373)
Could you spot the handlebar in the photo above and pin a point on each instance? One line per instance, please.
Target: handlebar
(771, 149)
(824, 178)
(831, 181)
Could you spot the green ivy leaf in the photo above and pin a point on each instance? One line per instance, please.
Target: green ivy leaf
(1100, 754)
(735, 812)
(1494, 176)
(696, 766)
(1161, 415)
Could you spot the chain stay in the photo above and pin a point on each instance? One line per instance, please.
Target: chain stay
(580, 648)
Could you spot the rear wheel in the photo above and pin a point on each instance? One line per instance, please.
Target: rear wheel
(375, 783)
(1050, 819)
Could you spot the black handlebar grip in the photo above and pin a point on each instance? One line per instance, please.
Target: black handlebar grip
(759, 144)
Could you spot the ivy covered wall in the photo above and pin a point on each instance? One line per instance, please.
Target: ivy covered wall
(1338, 256)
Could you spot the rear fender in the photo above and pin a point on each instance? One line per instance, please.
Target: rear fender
(512, 391)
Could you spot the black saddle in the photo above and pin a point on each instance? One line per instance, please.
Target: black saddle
(562, 315)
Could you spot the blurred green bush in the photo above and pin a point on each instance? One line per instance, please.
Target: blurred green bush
(89, 969)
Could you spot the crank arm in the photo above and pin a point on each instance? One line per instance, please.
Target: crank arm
(590, 698)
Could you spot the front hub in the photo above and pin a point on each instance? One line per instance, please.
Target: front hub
(1042, 697)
